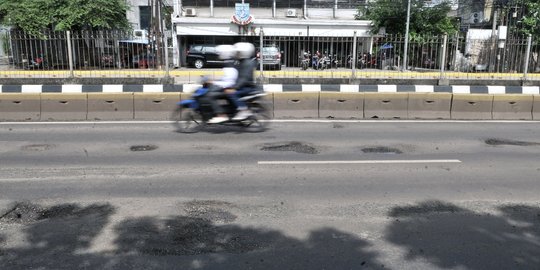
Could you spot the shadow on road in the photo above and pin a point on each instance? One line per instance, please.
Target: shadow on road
(56, 237)
(59, 239)
(448, 236)
(433, 233)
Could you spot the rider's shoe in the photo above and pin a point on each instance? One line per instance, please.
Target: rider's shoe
(217, 120)
(242, 115)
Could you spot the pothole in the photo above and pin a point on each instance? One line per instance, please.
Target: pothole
(382, 150)
(139, 148)
(215, 211)
(495, 142)
(297, 147)
(27, 213)
(37, 147)
(23, 213)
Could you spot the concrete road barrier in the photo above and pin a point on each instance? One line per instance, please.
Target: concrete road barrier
(512, 107)
(296, 105)
(20, 107)
(154, 106)
(429, 105)
(117, 106)
(386, 105)
(472, 106)
(536, 107)
(341, 105)
(63, 107)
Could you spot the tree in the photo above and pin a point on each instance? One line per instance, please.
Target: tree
(34, 16)
(530, 22)
(392, 15)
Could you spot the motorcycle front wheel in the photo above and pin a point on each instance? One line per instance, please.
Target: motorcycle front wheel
(260, 119)
(186, 120)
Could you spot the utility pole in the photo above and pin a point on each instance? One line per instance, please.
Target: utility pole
(406, 47)
(493, 39)
(156, 36)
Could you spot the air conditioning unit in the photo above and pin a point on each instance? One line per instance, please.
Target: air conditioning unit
(191, 12)
(140, 34)
(291, 12)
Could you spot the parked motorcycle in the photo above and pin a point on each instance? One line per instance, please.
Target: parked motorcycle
(35, 63)
(192, 114)
(350, 61)
(334, 61)
(305, 60)
(325, 62)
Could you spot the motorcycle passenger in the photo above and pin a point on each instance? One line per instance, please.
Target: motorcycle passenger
(230, 75)
(245, 82)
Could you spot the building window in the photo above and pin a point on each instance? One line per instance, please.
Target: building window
(145, 17)
(199, 3)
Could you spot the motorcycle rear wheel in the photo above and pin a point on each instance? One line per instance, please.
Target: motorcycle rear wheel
(187, 120)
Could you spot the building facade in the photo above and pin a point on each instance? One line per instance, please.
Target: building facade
(292, 25)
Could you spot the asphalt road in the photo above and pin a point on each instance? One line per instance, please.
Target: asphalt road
(302, 195)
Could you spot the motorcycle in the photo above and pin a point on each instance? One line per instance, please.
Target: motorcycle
(305, 61)
(192, 114)
(35, 63)
(325, 62)
(350, 61)
(335, 62)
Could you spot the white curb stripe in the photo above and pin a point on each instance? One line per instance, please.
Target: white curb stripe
(387, 88)
(153, 88)
(274, 88)
(31, 89)
(534, 90)
(113, 88)
(72, 88)
(311, 88)
(496, 89)
(424, 88)
(460, 89)
(347, 88)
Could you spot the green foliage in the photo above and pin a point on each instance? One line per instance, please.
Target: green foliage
(424, 20)
(530, 23)
(35, 16)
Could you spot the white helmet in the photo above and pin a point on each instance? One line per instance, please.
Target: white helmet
(244, 50)
(226, 52)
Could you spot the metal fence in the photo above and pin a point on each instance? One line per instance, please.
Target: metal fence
(123, 54)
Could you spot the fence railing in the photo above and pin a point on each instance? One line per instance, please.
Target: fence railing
(120, 54)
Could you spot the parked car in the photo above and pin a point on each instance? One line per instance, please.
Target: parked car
(200, 56)
(271, 57)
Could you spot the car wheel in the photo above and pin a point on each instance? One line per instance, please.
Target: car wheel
(198, 63)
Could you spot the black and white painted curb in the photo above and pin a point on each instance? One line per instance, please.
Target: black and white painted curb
(277, 88)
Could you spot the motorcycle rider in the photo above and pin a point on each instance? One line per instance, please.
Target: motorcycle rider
(226, 53)
(245, 82)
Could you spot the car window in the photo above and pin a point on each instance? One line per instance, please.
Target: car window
(270, 50)
(209, 49)
(195, 48)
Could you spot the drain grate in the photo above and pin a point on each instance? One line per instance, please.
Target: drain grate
(381, 150)
(297, 147)
(139, 148)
